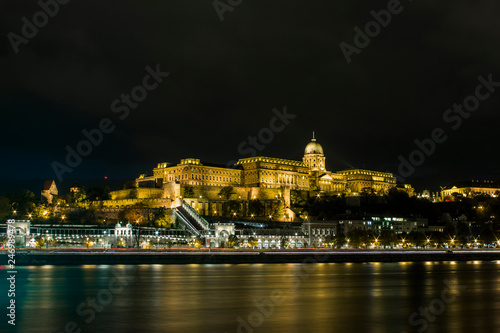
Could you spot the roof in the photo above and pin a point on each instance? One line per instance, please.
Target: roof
(271, 160)
(196, 162)
(215, 165)
(48, 184)
(474, 183)
(366, 172)
(313, 148)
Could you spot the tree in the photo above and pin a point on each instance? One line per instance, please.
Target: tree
(136, 234)
(329, 241)
(325, 207)
(252, 242)
(387, 238)
(134, 193)
(296, 199)
(188, 191)
(278, 209)
(255, 207)
(463, 233)
(198, 243)
(417, 238)
(226, 192)
(98, 193)
(230, 207)
(132, 214)
(163, 218)
(449, 229)
(232, 241)
(399, 202)
(129, 184)
(3, 240)
(41, 212)
(284, 242)
(339, 240)
(77, 197)
(5, 207)
(358, 237)
(487, 236)
(22, 202)
(39, 242)
(58, 201)
(439, 238)
(88, 242)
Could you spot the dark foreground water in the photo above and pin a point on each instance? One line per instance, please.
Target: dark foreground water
(371, 297)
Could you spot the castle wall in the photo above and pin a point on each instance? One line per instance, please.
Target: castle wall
(138, 193)
(211, 193)
(149, 202)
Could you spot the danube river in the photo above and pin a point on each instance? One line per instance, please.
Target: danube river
(319, 297)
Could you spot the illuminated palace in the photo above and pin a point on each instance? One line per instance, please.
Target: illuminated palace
(258, 173)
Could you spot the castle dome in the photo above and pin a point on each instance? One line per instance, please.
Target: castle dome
(313, 147)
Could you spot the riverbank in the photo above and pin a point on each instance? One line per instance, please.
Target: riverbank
(134, 257)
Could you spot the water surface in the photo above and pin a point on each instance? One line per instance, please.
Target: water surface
(370, 297)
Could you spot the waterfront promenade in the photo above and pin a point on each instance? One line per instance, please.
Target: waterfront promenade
(243, 256)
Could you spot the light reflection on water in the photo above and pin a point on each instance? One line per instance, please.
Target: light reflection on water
(371, 297)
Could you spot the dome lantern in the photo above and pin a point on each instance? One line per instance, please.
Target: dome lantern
(313, 147)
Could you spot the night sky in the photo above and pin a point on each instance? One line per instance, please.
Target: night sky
(226, 77)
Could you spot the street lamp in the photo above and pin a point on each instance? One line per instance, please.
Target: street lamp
(157, 239)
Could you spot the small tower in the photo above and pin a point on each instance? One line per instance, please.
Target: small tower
(49, 191)
(75, 188)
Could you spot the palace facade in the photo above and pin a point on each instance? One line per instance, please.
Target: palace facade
(471, 188)
(262, 172)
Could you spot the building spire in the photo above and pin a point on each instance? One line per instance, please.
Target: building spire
(313, 139)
